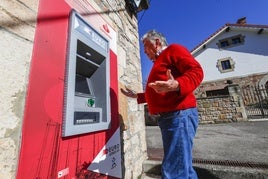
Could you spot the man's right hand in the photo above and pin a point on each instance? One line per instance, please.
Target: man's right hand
(129, 93)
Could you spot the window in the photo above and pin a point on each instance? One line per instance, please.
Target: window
(266, 87)
(236, 40)
(225, 65)
(218, 92)
(224, 43)
(231, 41)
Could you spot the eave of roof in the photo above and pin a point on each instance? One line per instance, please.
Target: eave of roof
(223, 28)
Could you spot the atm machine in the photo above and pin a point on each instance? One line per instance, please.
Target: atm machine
(87, 80)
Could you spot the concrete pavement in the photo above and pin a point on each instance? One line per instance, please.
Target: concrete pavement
(228, 150)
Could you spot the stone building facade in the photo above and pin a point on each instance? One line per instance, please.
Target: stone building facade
(228, 100)
(206, 88)
(222, 108)
(17, 32)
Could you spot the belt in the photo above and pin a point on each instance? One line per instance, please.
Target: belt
(165, 113)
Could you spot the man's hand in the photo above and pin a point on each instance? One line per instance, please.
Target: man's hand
(165, 86)
(129, 93)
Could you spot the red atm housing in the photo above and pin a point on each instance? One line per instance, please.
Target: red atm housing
(44, 152)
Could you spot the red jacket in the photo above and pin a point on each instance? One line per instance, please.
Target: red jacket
(185, 69)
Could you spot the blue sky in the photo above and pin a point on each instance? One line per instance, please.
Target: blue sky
(189, 22)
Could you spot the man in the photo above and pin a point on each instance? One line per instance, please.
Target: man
(169, 93)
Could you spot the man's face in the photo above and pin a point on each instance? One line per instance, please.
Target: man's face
(150, 49)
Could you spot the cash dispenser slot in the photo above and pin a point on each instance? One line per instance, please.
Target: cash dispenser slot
(86, 118)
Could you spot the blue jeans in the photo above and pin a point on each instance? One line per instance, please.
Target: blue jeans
(178, 130)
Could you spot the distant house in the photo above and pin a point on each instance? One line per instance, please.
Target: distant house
(235, 54)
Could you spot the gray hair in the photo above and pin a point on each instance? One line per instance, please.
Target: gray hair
(152, 35)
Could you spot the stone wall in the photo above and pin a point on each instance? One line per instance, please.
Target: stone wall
(219, 109)
(227, 108)
(131, 114)
(243, 81)
(216, 109)
(129, 74)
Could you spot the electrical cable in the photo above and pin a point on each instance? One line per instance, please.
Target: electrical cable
(143, 14)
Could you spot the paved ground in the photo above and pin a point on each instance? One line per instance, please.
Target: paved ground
(243, 142)
(247, 141)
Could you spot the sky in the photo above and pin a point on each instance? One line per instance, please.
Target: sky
(190, 22)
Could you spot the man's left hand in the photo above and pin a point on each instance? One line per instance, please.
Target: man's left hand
(165, 86)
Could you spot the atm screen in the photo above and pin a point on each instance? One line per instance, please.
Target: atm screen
(82, 86)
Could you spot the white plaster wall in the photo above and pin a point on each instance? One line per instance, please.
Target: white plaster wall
(245, 64)
(250, 58)
(14, 76)
(17, 27)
